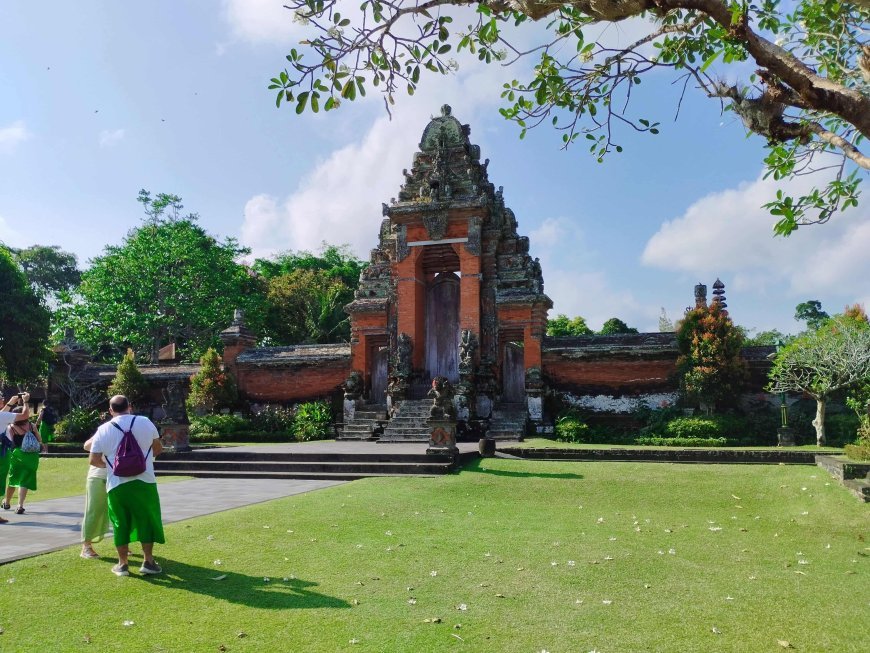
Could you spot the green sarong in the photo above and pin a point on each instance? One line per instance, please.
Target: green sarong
(4, 470)
(46, 432)
(22, 469)
(134, 510)
(95, 523)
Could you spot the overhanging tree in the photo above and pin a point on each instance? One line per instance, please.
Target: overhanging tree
(834, 357)
(562, 325)
(807, 97)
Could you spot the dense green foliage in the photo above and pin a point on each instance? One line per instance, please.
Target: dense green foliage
(570, 427)
(710, 367)
(767, 338)
(306, 294)
(811, 312)
(562, 325)
(794, 73)
(49, 269)
(302, 423)
(128, 380)
(615, 326)
(24, 326)
(212, 387)
(169, 281)
(77, 425)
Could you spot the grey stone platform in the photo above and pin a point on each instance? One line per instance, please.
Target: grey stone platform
(56, 523)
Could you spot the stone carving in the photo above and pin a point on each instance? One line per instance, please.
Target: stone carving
(173, 403)
(441, 395)
(534, 379)
(404, 349)
(700, 295)
(473, 244)
(353, 386)
(402, 249)
(436, 224)
(467, 349)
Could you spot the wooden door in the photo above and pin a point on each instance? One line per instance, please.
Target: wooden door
(380, 359)
(442, 327)
(513, 374)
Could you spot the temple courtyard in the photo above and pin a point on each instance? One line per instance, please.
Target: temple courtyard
(504, 555)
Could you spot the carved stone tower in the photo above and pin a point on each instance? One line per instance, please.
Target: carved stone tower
(451, 289)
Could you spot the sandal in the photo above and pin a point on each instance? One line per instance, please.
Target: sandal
(5, 505)
(20, 510)
(88, 554)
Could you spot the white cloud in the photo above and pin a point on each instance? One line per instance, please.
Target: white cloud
(111, 137)
(259, 21)
(12, 135)
(728, 232)
(339, 200)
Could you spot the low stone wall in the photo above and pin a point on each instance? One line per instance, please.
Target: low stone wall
(675, 455)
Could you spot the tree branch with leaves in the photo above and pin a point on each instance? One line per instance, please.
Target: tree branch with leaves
(808, 96)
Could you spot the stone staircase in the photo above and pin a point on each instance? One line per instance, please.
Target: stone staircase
(508, 422)
(409, 423)
(854, 476)
(365, 422)
(345, 466)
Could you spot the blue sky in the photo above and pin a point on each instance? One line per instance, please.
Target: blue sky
(100, 99)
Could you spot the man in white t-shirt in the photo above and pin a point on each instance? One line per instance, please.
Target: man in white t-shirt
(134, 504)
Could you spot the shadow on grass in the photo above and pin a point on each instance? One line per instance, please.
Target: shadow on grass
(475, 466)
(251, 591)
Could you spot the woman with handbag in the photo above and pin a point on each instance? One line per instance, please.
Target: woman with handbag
(24, 460)
(6, 445)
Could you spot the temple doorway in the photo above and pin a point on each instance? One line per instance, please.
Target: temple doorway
(380, 360)
(513, 373)
(442, 327)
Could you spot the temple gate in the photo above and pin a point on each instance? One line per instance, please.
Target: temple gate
(451, 289)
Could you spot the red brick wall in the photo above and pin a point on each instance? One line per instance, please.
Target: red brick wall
(299, 383)
(613, 376)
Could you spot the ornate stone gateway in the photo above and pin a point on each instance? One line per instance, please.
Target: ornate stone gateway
(450, 284)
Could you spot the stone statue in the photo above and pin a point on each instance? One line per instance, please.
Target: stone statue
(353, 386)
(441, 395)
(173, 403)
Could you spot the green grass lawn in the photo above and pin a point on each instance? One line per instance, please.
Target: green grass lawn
(65, 477)
(505, 556)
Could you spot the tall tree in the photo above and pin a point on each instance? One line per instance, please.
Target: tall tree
(307, 292)
(710, 368)
(811, 312)
(169, 281)
(49, 269)
(804, 90)
(562, 325)
(24, 326)
(614, 326)
(820, 362)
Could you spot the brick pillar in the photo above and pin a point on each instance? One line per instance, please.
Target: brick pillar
(469, 293)
(236, 338)
(411, 301)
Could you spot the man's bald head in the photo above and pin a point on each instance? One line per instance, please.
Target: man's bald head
(119, 405)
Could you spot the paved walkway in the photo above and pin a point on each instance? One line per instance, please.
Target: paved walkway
(56, 523)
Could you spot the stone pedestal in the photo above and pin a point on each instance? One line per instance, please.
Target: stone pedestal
(785, 437)
(536, 408)
(442, 439)
(486, 447)
(175, 437)
(349, 410)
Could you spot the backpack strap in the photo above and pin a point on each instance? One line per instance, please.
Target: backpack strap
(115, 424)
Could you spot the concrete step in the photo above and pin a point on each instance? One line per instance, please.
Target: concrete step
(319, 476)
(229, 455)
(182, 467)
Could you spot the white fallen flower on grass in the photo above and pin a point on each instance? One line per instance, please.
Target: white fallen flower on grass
(433, 573)
(606, 601)
(218, 562)
(462, 607)
(129, 623)
(221, 577)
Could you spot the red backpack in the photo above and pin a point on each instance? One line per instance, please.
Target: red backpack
(129, 459)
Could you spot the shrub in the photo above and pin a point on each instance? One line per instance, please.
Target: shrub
(682, 442)
(77, 425)
(313, 421)
(570, 427)
(841, 429)
(694, 427)
(128, 380)
(212, 388)
(858, 451)
(273, 419)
